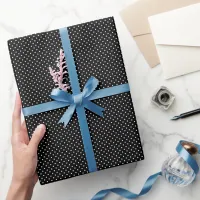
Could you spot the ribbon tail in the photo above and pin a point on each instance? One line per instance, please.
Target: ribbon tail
(67, 115)
(127, 194)
(98, 110)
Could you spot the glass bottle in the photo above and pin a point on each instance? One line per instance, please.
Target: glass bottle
(177, 171)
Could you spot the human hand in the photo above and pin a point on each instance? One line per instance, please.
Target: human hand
(24, 155)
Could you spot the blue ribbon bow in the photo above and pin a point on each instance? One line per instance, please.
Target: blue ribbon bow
(80, 99)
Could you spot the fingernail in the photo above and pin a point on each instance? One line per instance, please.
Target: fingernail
(42, 127)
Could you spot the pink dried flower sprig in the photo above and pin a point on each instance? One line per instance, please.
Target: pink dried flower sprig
(58, 77)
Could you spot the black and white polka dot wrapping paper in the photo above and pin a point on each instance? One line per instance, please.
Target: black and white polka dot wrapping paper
(96, 50)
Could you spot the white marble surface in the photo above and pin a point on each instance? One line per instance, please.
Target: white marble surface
(159, 134)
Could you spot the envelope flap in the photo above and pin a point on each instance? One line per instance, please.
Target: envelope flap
(177, 27)
(136, 15)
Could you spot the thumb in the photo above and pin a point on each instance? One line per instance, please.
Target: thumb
(37, 137)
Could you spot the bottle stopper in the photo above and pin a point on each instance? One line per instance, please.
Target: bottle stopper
(190, 147)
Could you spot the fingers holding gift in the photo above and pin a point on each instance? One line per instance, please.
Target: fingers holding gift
(37, 137)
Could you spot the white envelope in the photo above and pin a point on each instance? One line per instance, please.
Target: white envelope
(177, 38)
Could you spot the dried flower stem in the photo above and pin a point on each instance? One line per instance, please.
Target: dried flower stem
(58, 77)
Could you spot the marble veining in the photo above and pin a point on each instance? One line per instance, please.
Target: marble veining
(159, 135)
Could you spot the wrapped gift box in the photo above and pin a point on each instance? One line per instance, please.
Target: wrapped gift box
(73, 80)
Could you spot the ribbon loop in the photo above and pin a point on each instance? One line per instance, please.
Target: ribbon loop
(90, 86)
(60, 95)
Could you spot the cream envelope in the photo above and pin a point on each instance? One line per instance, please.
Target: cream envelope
(136, 16)
(177, 38)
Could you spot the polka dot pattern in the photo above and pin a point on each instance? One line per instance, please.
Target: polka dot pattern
(61, 153)
(31, 58)
(115, 137)
(97, 53)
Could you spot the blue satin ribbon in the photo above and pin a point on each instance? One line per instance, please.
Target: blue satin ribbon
(152, 179)
(127, 194)
(77, 101)
(53, 105)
